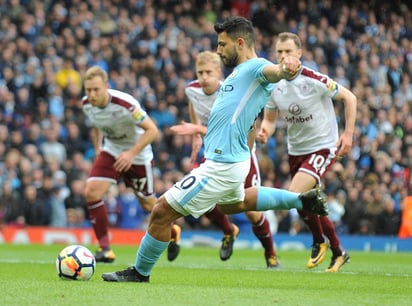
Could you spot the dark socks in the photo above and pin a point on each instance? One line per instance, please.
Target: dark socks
(220, 220)
(262, 232)
(329, 230)
(313, 222)
(100, 222)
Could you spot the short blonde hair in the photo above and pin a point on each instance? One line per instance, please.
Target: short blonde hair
(288, 35)
(205, 57)
(96, 71)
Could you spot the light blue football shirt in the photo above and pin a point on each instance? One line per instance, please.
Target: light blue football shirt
(241, 98)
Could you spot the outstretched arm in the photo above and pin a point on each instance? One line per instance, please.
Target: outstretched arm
(196, 129)
(187, 128)
(287, 70)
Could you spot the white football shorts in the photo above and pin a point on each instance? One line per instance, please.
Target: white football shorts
(210, 184)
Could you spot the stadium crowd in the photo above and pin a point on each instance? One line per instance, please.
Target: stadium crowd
(149, 50)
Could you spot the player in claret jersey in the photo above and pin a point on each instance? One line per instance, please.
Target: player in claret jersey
(122, 134)
(306, 103)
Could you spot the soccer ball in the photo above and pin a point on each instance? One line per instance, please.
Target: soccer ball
(75, 262)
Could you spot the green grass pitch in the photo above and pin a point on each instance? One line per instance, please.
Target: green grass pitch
(199, 277)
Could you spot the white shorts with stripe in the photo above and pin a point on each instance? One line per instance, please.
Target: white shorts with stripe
(210, 184)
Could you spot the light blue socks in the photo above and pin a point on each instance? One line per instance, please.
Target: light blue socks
(149, 253)
(276, 199)
(268, 198)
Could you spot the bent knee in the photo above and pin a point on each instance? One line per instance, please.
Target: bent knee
(93, 194)
(254, 216)
(147, 203)
(163, 212)
(95, 190)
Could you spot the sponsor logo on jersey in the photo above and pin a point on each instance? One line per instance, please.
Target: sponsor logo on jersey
(226, 88)
(116, 137)
(295, 109)
(298, 119)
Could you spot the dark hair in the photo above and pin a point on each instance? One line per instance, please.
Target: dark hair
(236, 27)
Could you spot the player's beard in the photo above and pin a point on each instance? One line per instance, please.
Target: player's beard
(231, 60)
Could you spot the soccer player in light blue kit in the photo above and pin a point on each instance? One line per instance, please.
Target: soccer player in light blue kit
(220, 178)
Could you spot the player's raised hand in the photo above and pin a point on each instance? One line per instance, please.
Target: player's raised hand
(123, 161)
(262, 135)
(291, 65)
(344, 144)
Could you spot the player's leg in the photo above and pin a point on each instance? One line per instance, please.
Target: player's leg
(95, 189)
(195, 194)
(260, 224)
(153, 244)
(306, 172)
(303, 181)
(339, 255)
(173, 249)
(267, 198)
(230, 231)
(140, 179)
(261, 229)
(233, 198)
(320, 244)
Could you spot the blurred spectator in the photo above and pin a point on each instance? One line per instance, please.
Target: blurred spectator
(77, 168)
(76, 201)
(36, 211)
(52, 148)
(163, 116)
(289, 222)
(262, 17)
(403, 95)
(394, 74)
(76, 218)
(113, 206)
(132, 215)
(67, 75)
(74, 142)
(336, 203)
(58, 216)
(56, 104)
(388, 221)
(354, 211)
(284, 220)
(11, 207)
(365, 227)
(376, 72)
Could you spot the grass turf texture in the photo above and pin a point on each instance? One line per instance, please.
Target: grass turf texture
(199, 277)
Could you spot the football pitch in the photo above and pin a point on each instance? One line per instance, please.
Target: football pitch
(199, 277)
